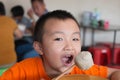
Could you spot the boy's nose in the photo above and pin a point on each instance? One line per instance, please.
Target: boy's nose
(68, 46)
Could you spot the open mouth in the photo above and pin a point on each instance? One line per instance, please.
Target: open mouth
(67, 59)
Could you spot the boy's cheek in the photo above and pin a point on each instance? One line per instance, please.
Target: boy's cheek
(78, 47)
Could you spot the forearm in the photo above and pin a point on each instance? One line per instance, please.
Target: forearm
(115, 75)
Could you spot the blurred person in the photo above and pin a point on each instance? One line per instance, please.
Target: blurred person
(39, 8)
(23, 22)
(8, 30)
(18, 14)
(23, 45)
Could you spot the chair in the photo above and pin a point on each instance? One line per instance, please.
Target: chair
(101, 55)
(116, 56)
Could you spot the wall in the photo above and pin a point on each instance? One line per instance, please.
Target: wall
(109, 10)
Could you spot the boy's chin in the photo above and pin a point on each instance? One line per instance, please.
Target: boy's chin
(64, 69)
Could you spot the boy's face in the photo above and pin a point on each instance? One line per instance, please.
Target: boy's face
(38, 8)
(61, 44)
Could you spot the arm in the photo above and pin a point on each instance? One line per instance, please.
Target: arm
(113, 74)
(18, 34)
(30, 13)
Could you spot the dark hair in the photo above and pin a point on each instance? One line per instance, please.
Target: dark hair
(41, 1)
(17, 11)
(2, 9)
(57, 14)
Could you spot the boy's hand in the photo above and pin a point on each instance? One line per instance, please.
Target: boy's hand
(30, 13)
(115, 75)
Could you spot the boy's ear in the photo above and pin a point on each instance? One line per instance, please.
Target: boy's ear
(37, 47)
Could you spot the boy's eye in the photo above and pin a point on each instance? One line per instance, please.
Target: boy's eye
(76, 39)
(58, 39)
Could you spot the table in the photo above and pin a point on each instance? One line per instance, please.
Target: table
(80, 77)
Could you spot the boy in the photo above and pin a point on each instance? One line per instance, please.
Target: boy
(18, 14)
(24, 45)
(57, 39)
(39, 8)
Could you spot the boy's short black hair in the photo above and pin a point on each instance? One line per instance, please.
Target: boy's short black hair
(57, 14)
(41, 1)
(2, 9)
(17, 11)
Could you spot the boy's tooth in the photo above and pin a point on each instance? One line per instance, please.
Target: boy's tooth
(84, 60)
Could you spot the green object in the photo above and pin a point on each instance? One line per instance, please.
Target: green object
(95, 23)
(2, 70)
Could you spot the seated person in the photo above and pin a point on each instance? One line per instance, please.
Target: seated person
(8, 29)
(23, 45)
(39, 8)
(57, 39)
(18, 15)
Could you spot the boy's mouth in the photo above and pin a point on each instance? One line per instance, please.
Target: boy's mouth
(67, 59)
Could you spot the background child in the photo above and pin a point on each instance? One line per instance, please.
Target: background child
(39, 8)
(57, 39)
(8, 29)
(24, 45)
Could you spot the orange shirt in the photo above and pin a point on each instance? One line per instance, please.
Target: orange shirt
(7, 49)
(32, 69)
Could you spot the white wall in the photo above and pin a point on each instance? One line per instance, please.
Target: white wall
(109, 10)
